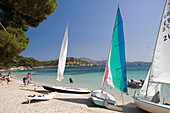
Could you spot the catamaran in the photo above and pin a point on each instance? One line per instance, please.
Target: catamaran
(159, 72)
(61, 68)
(115, 71)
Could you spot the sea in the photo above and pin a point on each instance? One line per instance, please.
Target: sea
(89, 77)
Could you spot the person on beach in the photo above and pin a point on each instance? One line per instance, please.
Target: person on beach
(8, 78)
(28, 78)
(71, 80)
(24, 81)
(2, 79)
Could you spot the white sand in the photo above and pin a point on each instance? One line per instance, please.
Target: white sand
(13, 100)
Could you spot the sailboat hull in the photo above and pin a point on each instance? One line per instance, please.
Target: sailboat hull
(150, 106)
(101, 98)
(66, 89)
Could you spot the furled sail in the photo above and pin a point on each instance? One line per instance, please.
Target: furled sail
(63, 55)
(160, 70)
(115, 71)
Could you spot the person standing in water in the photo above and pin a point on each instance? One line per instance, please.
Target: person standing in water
(71, 80)
(28, 78)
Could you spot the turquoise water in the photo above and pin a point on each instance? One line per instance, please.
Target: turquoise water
(83, 77)
(88, 77)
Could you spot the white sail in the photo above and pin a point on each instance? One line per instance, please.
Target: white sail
(153, 88)
(159, 72)
(63, 55)
(144, 87)
(160, 65)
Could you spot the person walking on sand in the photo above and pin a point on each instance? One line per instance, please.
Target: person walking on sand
(8, 78)
(28, 78)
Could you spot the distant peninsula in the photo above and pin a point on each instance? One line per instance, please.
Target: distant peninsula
(22, 63)
(103, 62)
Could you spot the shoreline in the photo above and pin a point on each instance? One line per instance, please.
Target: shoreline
(38, 67)
(14, 97)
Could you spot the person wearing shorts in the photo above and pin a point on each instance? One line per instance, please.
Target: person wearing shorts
(28, 78)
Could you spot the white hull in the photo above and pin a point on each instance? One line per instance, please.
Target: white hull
(101, 98)
(151, 107)
(40, 98)
(67, 89)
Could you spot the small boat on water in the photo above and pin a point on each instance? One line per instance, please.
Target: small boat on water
(134, 83)
(115, 71)
(159, 72)
(61, 68)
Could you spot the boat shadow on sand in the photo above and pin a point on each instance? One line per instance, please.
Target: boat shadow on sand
(32, 101)
(84, 99)
(128, 108)
(131, 108)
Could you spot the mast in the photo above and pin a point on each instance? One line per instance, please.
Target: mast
(155, 48)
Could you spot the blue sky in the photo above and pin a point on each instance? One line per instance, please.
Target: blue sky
(90, 29)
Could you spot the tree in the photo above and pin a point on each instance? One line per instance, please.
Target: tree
(16, 16)
(12, 43)
(25, 13)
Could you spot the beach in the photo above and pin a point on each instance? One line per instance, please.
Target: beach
(13, 100)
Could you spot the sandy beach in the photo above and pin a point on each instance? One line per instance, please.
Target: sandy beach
(13, 100)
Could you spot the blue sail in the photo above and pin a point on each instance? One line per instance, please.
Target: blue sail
(115, 73)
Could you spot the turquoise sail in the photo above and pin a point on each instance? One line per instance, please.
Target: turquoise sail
(115, 73)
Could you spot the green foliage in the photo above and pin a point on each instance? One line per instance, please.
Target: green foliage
(75, 62)
(25, 13)
(31, 62)
(12, 43)
(16, 16)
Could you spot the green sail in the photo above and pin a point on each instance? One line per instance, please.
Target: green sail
(117, 55)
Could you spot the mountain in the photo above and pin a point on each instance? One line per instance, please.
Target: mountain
(103, 62)
(138, 63)
(94, 62)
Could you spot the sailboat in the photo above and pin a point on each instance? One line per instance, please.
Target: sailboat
(115, 70)
(61, 68)
(159, 72)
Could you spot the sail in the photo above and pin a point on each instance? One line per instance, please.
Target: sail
(115, 71)
(63, 55)
(160, 65)
(153, 88)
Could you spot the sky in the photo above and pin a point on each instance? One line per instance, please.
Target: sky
(90, 28)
